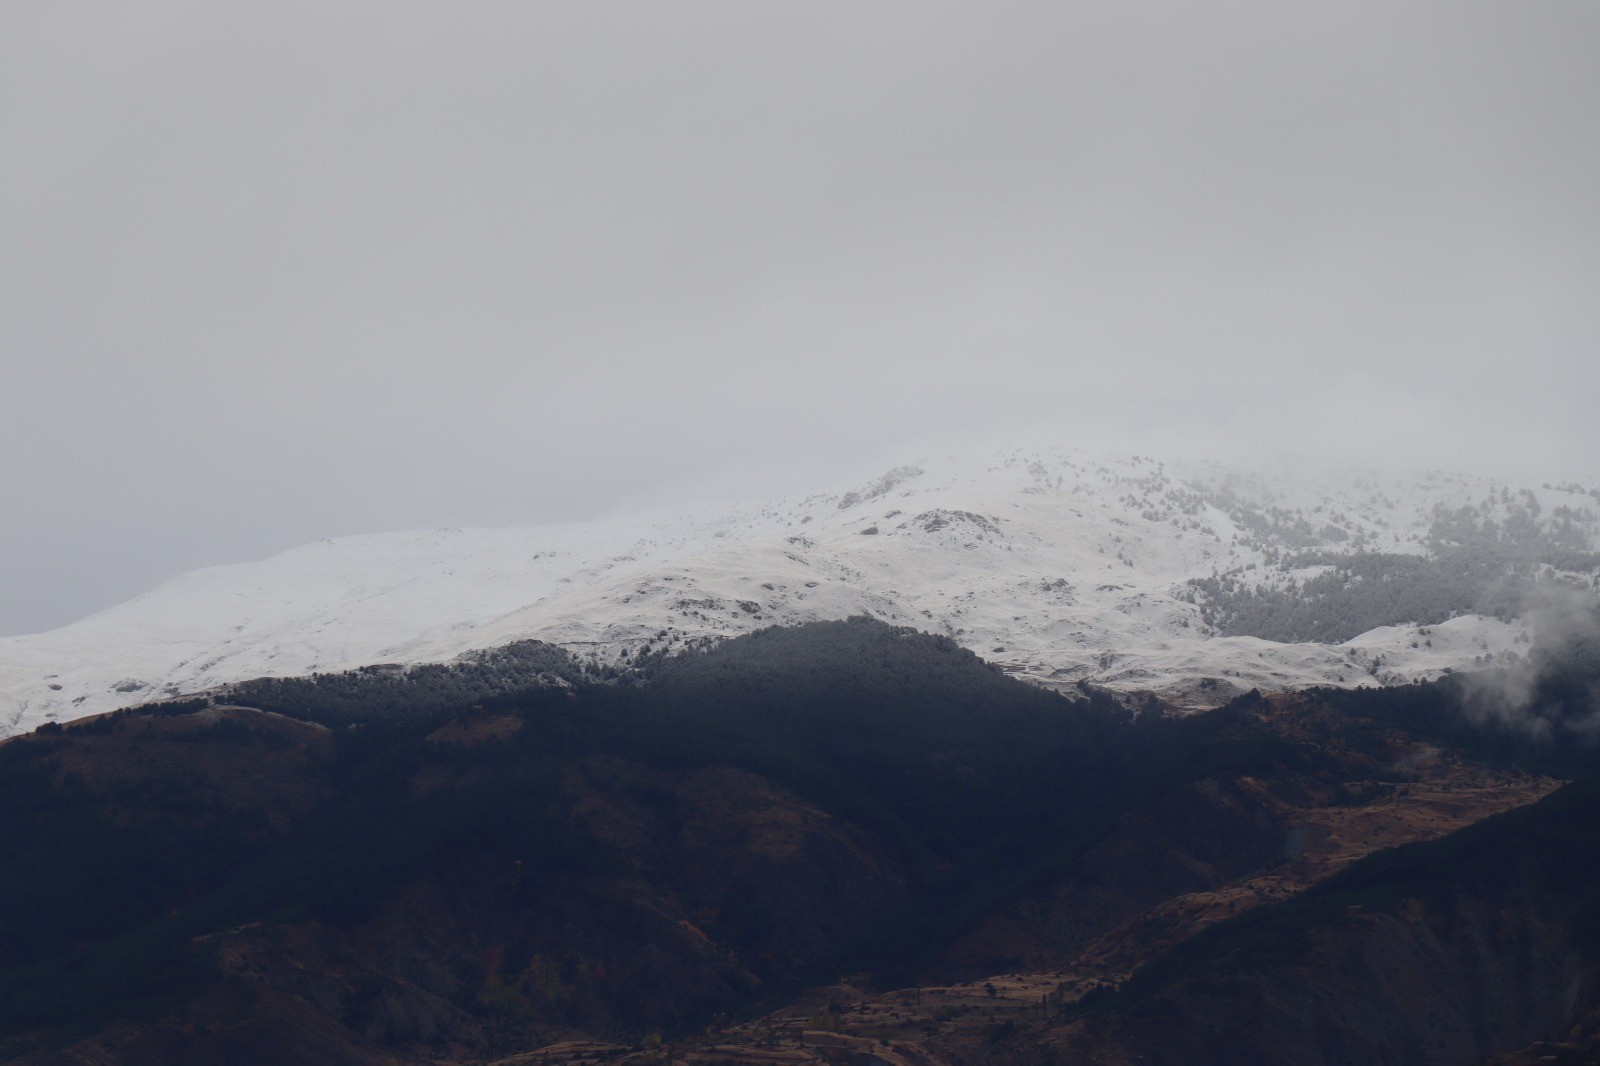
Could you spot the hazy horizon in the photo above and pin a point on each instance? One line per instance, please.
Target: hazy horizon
(320, 269)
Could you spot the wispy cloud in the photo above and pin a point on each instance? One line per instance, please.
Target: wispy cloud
(1554, 694)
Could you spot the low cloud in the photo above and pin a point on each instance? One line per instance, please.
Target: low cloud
(1554, 694)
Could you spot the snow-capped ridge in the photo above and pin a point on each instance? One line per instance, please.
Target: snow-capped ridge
(1061, 566)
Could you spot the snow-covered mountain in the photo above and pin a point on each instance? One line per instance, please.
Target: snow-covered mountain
(1062, 566)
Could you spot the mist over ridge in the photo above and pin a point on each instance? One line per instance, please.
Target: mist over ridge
(310, 271)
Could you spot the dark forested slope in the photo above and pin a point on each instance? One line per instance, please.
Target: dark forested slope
(1442, 952)
(348, 869)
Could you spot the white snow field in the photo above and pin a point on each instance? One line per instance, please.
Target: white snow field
(1061, 566)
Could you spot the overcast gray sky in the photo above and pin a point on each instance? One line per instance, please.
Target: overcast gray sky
(278, 271)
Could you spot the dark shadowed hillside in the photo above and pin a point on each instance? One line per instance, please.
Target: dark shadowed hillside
(483, 864)
(1440, 952)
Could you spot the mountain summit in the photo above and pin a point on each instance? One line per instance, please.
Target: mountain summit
(1192, 580)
